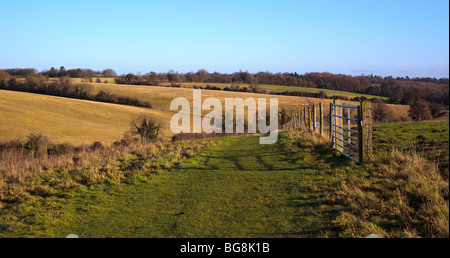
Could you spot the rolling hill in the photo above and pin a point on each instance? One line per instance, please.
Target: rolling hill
(68, 120)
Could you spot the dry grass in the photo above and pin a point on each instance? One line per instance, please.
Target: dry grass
(29, 183)
(394, 194)
(18, 165)
(65, 120)
(402, 193)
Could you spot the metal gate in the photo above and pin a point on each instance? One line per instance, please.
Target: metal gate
(347, 138)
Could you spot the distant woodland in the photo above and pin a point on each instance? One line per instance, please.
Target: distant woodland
(399, 90)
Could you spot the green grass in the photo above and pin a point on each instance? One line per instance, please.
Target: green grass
(279, 88)
(317, 90)
(298, 187)
(237, 188)
(392, 194)
(428, 139)
(32, 203)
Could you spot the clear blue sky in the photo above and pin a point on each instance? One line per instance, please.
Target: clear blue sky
(383, 37)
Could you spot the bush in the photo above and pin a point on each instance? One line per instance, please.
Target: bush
(60, 149)
(97, 146)
(36, 143)
(436, 109)
(146, 128)
(76, 160)
(379, 111)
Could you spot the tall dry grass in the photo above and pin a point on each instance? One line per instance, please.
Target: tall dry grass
(23, 172)
(393, 194)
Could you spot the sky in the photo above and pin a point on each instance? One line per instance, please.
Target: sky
(384, 37)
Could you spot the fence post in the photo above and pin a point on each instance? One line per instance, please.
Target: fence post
(321, 118)
(331, 121)
(366, 110)
(309, 119)
(314, 118)
(299, 118)
(292, 124)
(305, 110)
(305, 120)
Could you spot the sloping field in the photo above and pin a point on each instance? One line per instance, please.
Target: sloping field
(161, 97)
(280, 88)
(68, 120)
(81, 121)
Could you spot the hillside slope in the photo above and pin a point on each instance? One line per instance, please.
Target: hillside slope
(161, 97)
(68, 120)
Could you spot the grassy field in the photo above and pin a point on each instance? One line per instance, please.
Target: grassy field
(237, 188)
(41, 192)
(268, 88)
(65, 120)
(317, 90)
(278, 88)
(428, 139)
(394, 193)
(80, 121)
(161, 97)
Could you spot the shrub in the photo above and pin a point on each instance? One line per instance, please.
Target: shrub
(97, 146)
(379, 111)
(76, 160)
(146, 128)
(36, 143)
(436, 109)
(60, 149)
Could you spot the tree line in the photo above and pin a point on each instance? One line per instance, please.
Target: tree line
(64, 87)
(61, 72)
(400, 90)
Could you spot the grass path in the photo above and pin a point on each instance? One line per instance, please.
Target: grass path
(237, 188)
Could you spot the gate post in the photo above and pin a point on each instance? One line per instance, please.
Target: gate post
(366, 127)
(360, 137)
(331, 120)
